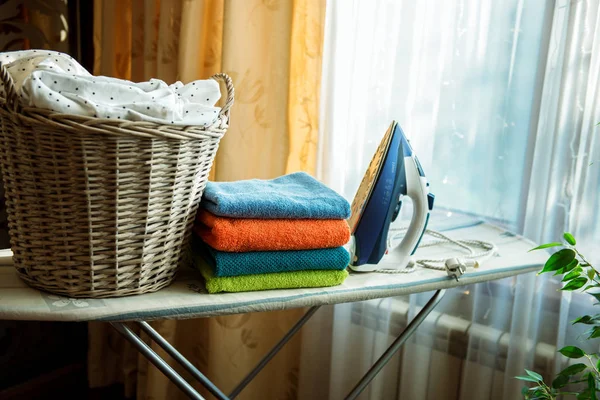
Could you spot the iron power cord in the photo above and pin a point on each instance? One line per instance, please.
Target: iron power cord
(474, 251)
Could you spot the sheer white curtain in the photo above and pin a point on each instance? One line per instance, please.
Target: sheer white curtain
(500, 100)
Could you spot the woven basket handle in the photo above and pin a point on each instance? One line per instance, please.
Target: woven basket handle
(230, 92)
(12, 99)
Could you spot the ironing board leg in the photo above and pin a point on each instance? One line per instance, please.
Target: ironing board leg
(177, 356)
(157, 361)
(236, 391)
(400, 340)
(193, 394)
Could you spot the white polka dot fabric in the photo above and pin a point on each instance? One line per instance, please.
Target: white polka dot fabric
(55, 81)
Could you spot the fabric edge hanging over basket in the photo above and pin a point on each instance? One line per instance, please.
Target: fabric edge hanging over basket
(100, 207)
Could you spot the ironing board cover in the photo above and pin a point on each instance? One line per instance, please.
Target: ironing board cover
(187, 298)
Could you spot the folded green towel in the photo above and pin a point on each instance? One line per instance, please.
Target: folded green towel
(277, 280)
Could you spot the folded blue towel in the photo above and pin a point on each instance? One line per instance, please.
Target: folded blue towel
(295, 195)
(262, 262)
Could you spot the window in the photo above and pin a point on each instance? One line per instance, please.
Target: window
(462, 78)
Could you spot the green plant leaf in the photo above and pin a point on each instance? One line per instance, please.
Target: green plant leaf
(572, 352)
(595, 295)
(537, 393)
(573, 274)
(560, 381)
(570, 266)
(569, 238)
(588, 287)
(558, 260)
(546, 246)
(592, 386)
(598, 364)
(591, 273)
(575, 284)
(587, 393)
(586, 319)
(573, 369)
(534, 375)
(526, 378)
(594, 332)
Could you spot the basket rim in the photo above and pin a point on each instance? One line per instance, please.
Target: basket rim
(77, 125)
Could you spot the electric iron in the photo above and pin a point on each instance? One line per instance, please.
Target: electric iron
(394, 172)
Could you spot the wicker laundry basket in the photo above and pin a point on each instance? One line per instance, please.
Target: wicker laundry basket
(100, 208)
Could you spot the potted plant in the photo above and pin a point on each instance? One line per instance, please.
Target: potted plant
(581, 378)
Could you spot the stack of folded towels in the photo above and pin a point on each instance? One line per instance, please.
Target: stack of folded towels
(277, 234)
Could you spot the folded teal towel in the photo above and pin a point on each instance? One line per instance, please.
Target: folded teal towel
(295, 195)
(266, 262)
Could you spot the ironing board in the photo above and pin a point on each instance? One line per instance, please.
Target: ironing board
(187, 298)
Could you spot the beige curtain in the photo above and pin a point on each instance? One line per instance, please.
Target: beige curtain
(272, 49)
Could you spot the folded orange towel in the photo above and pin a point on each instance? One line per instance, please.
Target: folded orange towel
(240, 235)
